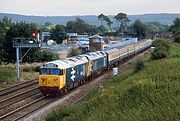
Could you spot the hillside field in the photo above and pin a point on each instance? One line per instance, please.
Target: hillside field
(151, 94)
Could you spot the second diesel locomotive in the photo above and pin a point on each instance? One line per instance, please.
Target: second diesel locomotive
(60, 75)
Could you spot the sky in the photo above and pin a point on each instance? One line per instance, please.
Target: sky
(88, 7)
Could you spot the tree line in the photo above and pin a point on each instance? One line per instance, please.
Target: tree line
(137, 28)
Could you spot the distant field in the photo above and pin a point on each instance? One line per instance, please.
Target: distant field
(152, 94)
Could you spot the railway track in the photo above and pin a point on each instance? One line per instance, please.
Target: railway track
(17, 95)
(15, 98)
(17, 87)
(27, 109)
(20, 100)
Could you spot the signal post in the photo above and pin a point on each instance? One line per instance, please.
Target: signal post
(21, 42)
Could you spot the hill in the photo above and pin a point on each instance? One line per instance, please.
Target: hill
(152, 94)
(163, 18)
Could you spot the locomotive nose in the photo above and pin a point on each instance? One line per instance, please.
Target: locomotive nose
(49, 84)
(49, 81)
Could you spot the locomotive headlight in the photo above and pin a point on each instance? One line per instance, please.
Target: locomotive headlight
(55, 79)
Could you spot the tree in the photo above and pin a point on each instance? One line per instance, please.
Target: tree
(70, 26)
(5, 23)
(177, 36)
(139, 29)
(21, 29)
(122, 19)
(92, 29)
(109, 22)
(162, 48)
(47, 27)
(73, 52)
(59, 33)
(42, 55)
(80, 26)
(175, 28)
(77, 26)
(47, 24)
(101, 29)
(101, 18)
(2, 39)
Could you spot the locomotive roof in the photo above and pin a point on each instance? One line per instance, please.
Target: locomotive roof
(96, 55)
(61, 64)
(112, 50)
(67, 63)
(76, 60)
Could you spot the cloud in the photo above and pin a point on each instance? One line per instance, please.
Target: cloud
(86, 7)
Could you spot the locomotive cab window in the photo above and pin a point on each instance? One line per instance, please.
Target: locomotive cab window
(49, 71)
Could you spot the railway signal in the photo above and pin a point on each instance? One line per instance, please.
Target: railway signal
(21, 42)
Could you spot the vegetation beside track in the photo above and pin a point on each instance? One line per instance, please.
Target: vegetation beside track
(152, 93)
(8, 73)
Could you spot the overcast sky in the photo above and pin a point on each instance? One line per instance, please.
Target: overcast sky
(88, 7)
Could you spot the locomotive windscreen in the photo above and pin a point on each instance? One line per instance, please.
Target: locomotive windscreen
(51, 71)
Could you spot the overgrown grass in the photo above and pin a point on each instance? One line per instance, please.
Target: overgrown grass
(7, 74)
(152, 94)
(175, 50)
(29, 75)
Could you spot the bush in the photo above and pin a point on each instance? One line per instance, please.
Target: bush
(177, 36)
(139, 64)
(43, 55)
(7, 74)
(162, 48)
(0, 61)
(30, 67)
(161, 42)
(73, 52)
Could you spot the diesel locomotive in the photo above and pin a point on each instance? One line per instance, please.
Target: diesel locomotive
(60, 75)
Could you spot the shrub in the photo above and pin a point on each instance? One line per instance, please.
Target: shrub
(177, 36)
(139, 64)
(44, 55)
(30, 67)
(73, 52)
(162, 48)
(0, 61)
(7, 74)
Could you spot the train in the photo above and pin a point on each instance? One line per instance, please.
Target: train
(61, 75)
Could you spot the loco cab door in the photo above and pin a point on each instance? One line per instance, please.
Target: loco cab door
(89, 67)
(62, 79)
